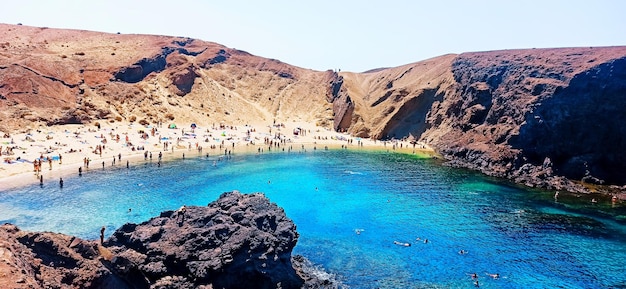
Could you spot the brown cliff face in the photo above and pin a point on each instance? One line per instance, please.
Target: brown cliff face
(537, 116)
(534, 116)
(395, 102)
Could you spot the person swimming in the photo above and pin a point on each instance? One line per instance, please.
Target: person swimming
(402, 244)
(494, 276)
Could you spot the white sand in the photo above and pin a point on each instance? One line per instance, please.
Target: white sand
(76, 142)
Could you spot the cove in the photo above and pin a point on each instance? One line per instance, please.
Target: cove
(527, 237)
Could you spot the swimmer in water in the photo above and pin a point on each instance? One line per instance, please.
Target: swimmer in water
(462, 252)
(494, 276)
(402, 244)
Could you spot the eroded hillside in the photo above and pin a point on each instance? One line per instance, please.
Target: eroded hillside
(55, 76)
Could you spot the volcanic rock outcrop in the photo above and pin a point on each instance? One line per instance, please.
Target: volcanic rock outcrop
(238, 241)
(543, 117)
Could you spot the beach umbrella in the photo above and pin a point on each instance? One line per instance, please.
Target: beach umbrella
(193, 125)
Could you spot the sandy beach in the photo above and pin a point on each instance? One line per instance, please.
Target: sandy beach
(64, 149)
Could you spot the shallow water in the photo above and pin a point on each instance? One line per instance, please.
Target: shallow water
(525, 236)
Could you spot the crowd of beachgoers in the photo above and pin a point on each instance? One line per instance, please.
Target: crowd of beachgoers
(48, 153)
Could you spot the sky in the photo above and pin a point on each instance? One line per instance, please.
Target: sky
(348, 35)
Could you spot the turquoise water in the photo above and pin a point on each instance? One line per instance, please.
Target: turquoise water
(525, 236)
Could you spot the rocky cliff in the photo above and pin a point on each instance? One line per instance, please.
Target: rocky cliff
(238, 241)
(543, 117)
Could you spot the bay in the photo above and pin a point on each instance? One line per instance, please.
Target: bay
(351, 206)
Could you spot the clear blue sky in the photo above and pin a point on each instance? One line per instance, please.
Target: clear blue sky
(347, 35)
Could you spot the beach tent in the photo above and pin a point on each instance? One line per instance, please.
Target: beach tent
(193, 125)
(172, 125)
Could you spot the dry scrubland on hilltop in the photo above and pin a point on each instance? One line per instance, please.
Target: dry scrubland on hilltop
(543, 117)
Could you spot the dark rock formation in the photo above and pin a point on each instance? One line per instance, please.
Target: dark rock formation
(220, 57)
(343, 107)
(542, 120)
(580, 128)
(542, 117)
(49, 260)
(184, 79)
(138, 71)
(238, 241)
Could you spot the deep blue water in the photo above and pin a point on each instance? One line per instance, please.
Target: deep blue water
(525, 236)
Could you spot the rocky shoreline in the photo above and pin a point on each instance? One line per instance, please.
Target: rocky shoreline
(237, 241)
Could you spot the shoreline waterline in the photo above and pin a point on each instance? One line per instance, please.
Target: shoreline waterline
(84, 141)
(23, 179)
